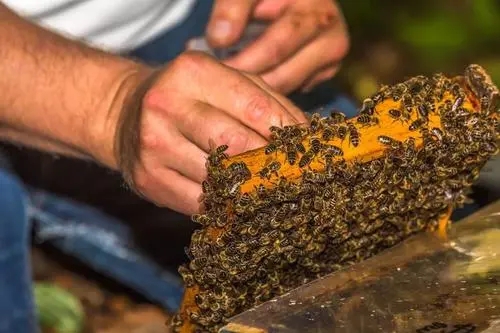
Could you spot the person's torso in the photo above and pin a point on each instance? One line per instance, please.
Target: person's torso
(113, 25)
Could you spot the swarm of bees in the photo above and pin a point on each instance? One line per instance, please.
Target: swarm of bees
(256, 245)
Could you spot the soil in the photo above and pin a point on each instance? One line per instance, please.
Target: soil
(109, 308)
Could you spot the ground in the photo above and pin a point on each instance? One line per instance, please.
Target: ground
(109, 309)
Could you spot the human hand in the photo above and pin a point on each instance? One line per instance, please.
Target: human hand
(302, 47)
(194, 100)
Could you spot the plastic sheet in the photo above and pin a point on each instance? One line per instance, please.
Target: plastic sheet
(425, 284)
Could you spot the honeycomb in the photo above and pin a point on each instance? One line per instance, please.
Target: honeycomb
(324, 195)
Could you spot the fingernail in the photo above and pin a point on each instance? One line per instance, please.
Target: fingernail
(221, 29)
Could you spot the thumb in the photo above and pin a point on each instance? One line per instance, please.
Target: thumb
(228, 20)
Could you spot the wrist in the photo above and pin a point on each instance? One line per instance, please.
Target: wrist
(106, 124)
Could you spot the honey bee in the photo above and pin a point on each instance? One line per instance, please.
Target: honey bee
(315, 145)
(276, 132)
(328, 133)
(458, 102)
(353, 135)
(423, 111)
(271, 148)
(239, 168)
(315, 122)
(417, 124)
(337, 117)
(395, 114)
(269, 169)
(334, 150)
(206, 187)
(300, 147)
(368, 107)
(342, 132)
(364, 119)
(291, 156)
(201, 219)
(261, 191)
(437, 133)
(407, 102)
(186, 275)
(306, 159)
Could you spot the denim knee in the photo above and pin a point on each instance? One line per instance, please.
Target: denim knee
(13, 212)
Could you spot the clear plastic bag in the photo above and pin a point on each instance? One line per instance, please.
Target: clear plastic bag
(426, 284)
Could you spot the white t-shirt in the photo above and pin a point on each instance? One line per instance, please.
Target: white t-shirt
(112, 25)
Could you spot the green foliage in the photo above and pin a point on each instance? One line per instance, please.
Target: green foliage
(443, 35)
(58, 309)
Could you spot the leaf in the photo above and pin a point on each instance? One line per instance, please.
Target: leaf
(58, 309)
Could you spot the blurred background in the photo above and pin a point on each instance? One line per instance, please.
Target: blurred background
(390, 41)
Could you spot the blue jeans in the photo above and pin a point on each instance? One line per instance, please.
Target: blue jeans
(90, 236)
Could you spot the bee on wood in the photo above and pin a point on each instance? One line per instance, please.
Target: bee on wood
(201, 219)
(198, 263)
(364, 119)
(206, 187)
(315, 145)
(423, 111)
(417, 124)
(291, 156)
(395, 114)
(269, 169)
(315, 122)
(353, 135)
(458, 102)
(438, 134)
(276, 132)
(177, 321)
(239, 168)
(337, 117)
(342, 132)
(368, 107)
(334, 150)
(274, 167)
(328, 133)
(187, 276)
(306, 159)
(271, 148)
(407, 102)
(217, 154)
(300, 147)
(261, 191)
(378, 97)
(388, 141)
(202, 301)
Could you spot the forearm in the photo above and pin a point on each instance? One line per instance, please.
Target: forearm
(60, 91)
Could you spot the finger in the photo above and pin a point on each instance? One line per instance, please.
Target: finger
(278, 43)
(297, 114)
(321, 76)
(270, 9)
(295, 71)
(162, 142)
(168, 188)
(228, 20)
(245, 101)
(205, 121)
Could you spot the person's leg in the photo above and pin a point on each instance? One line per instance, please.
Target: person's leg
(104, 243)
(17, 310)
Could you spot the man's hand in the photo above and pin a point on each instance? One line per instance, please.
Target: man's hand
(301, 48)
(193, 100)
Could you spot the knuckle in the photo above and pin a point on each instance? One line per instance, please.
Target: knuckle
(277, 51)
(189, 61)
(257, 107)
(237, 140)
